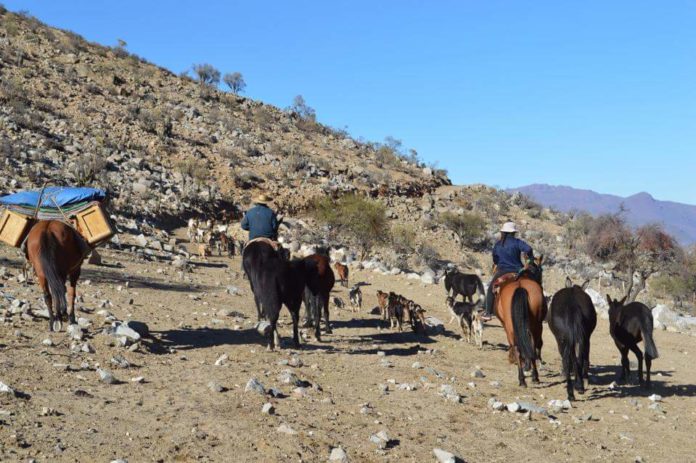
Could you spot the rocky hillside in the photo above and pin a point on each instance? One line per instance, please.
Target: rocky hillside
(76, 112)
(167, 147)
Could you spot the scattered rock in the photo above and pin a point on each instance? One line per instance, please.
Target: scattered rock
(288, 377)
(655, 398)
(338, 455)
(557, 406)
(221, 360)
(381, 439)
(268, 409)
(106, 376)
(215, 387)
(514, 407)
(75, 332)
(477, 373)
(285, 429)
(443, 456)
(253, 385)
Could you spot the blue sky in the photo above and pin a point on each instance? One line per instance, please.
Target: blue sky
(591, 94)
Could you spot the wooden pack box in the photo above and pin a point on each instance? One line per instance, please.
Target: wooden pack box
(94, 225)
(14, 227)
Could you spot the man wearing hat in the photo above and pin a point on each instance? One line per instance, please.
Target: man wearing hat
(260, 221)
(507, 258)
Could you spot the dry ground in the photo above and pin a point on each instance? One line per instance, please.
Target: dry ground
(174, 416)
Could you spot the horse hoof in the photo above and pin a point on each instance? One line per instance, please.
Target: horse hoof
(328, 331)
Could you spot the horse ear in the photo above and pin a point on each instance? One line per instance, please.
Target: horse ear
(609, 300)
(585, 285)
(569, 282)
(621, 302)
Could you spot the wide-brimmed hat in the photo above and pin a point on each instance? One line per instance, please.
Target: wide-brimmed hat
(262, 199)
(509, 227)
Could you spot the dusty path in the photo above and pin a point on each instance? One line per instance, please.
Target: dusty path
(174, 416)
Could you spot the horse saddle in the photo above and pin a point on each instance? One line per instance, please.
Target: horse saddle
(504, 279)
(274, 244)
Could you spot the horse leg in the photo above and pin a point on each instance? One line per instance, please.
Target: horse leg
(326, 314)
(586, 360)
(74, 277)
(625, 365)
(520, 368)
(316, 317)
(639, 356)
(648, 363)
(295, 314)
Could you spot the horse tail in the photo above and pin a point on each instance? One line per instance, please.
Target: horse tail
(56, 285)
(576, 339)
(646, 329)
(520, 323)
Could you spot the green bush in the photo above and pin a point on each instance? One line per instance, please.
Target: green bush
(470, 228)
(360, 220)
(403, 238)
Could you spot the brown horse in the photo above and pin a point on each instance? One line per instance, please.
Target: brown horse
(521, 309)
(56, 251)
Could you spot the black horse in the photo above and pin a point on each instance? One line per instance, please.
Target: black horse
(276, 281)
(572, 320)
(465, 284)
(628, 325)
(317, 293)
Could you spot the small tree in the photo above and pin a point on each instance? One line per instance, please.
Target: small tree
(358, 219)
(470, 228)
(235, 81)
(640, 254)
(302, 109)
(207, 74)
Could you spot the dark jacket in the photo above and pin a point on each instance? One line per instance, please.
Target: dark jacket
(507, 256)
(260, 221)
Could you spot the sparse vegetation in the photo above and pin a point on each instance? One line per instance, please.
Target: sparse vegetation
(403, 238)
(304, 111)
(235, 81)
(642, 253)
(360, 220)
(207, 74)
(470, 228)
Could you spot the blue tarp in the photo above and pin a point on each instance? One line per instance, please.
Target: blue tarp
(62, 196)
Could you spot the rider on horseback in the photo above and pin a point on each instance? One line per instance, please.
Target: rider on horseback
(507, 254)
(260, 221)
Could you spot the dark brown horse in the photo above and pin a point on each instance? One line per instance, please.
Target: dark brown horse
(56, 251)
(317, 293)
(521, 308)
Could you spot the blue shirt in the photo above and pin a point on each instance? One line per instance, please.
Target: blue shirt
(507, 256)
(260, 221)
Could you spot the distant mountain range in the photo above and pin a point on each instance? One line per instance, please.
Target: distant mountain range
(678, 219)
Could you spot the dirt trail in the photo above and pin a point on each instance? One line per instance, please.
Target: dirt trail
(174, 416)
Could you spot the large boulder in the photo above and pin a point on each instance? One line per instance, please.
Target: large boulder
(600, 303)
(667, 318)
